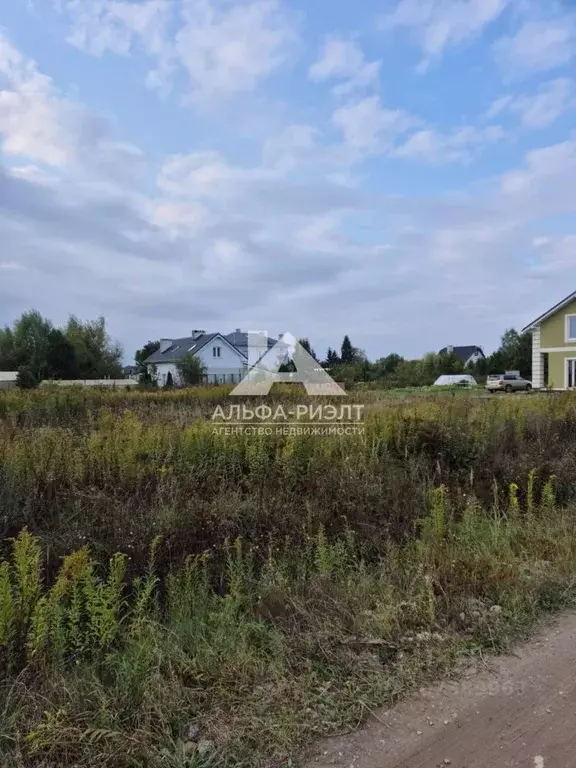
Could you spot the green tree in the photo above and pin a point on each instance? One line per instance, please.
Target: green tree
(191, 370)
(97, 355)
(347, 351)
(31, 342)
(26, 378)
(389, 364)
(8, 356)
(514, 354)
(306, 344)
(332, 358)
(479, 368)
(141, 355)
(61, 357)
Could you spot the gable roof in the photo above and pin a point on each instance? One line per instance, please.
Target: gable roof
(187, 345)
(463, 353)
(550, 312)
(239, 339)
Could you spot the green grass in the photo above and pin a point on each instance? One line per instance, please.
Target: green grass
(308, 643)
(157, 579)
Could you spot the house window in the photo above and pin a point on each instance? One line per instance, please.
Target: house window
(216, 351)
(570, 327)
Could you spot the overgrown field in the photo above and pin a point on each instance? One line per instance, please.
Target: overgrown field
(174, 597)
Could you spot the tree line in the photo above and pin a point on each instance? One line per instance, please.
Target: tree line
(38, 350)
(351, 365)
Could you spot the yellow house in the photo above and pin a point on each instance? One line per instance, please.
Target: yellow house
(554, 346)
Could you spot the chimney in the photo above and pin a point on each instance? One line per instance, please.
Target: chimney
(238, 330)
(196, 334)
(164, 344)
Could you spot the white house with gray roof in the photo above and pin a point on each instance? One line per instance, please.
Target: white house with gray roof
(225, 358)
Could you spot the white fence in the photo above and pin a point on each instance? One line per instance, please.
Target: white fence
(114, 383)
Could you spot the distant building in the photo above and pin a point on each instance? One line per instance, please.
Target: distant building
(8, 379)
(468, 354)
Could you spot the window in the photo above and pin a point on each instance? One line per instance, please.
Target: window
(216, 351)
(570, 327)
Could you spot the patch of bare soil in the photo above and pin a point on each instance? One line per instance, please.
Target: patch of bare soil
(514, 711)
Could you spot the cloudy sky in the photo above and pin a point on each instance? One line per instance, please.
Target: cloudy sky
(400, 170)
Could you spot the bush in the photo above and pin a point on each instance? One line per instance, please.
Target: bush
(27, 379)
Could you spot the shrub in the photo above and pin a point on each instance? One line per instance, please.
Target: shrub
(27, 379)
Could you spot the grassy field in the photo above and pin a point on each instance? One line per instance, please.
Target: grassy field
(170, 596)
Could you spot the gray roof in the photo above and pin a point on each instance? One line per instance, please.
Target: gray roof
(186, 345)
(179, 348)
(239, 339)
(463, 353)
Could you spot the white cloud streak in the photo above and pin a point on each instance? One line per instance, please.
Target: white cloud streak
(344, 60)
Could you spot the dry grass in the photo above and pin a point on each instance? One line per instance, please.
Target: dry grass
(273, 589)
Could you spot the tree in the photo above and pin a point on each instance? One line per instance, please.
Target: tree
(31, 342)
(514, 354)
(141, 355)
(332, 358)
(347, 351)
(306, 344)
(7, 352)
(389, 364)
(97, 356)
(449, 363)
(61, 357)
(191, 370)
(26, 378)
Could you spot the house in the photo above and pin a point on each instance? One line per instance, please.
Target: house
(259, 344)
(469, 354)
(130, 372)
(554, 346)
(8, 379)
(225, 358)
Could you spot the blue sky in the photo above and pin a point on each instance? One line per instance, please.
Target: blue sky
(398, 170)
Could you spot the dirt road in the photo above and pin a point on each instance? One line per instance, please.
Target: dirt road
(512, 712)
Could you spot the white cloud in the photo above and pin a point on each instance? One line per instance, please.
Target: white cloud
(367, 126)
(555, 255)
(458, 145)
(99, 26)
(540, 109)
(34, 121)
(281, 239)
(343, 59)
(38, 123)
(205, 175)
(231, 50)
(438, 24)
(538, 46)
(224, 48)
(545, 183)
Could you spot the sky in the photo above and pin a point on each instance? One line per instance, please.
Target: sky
(402, 171)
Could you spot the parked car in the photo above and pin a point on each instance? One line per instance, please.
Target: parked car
(507, 382)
